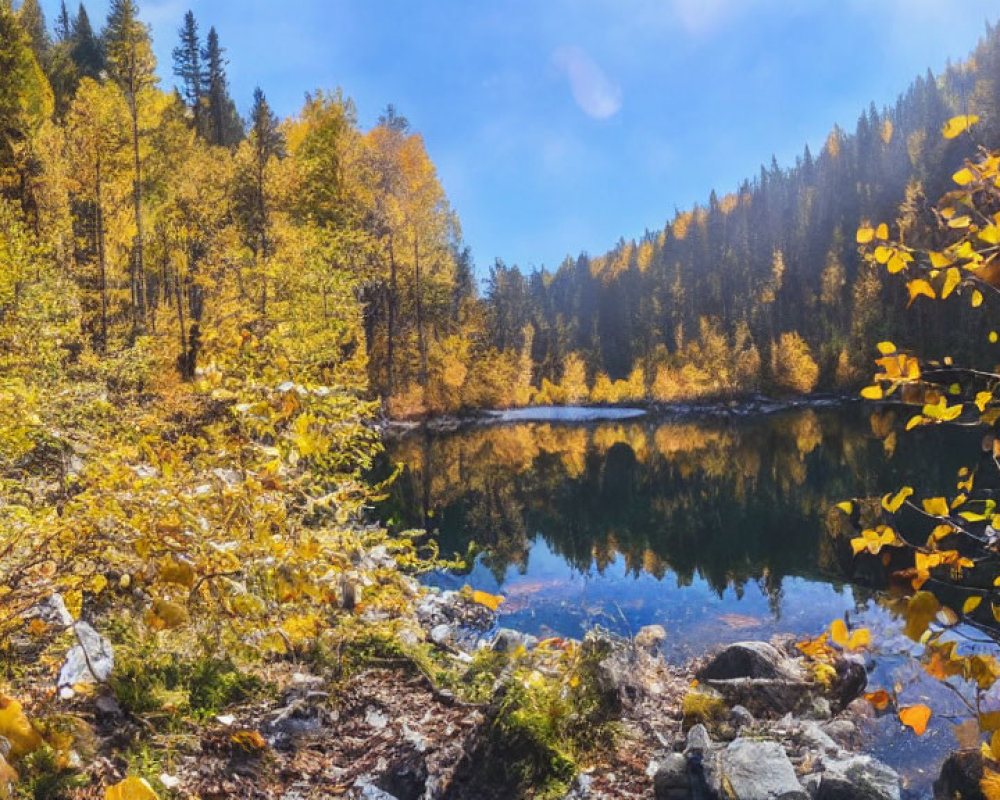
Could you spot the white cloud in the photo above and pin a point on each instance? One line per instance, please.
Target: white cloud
(594, 92)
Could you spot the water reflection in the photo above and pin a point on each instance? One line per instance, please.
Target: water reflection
(726, 502)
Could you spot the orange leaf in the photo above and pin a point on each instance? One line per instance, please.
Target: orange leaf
(491, 601)
(915, 717)
(879, 699)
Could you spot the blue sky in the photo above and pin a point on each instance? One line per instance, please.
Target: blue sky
(558, 126)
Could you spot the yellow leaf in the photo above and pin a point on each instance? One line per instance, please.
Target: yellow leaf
(886, 348)
(977, 298)
(960, 222)
(951, 279)
(860, 638)
(983, 399)
(893, 505)
(165, 614)
(838, 632)
(958, 125)
(865, 234)
(883, 254)
(915, 717)
(249, 741)
(990, 783)
(896, 263)
(920, 610)
(990, 234)
(940, 260)
(132, 788)
(937, 506)
(919, 287)
(491, 601)
(914, 422)
(964, 176)
(847, 507)
(872, 393)
(993, 337)
(882, 232)
(971, 604)
(17, 729)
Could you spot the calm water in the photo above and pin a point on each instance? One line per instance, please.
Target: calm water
(718, 529)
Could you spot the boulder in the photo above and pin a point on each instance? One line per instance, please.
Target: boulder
(754, 770)
(756, 660)
(650, 637)
(698, 740)
(857, 778)
(960, 776)
(672, 780)
(759, 676)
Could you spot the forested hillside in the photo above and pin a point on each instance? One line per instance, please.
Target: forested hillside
(761, 288)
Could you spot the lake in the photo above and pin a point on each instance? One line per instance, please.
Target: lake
(718, 528)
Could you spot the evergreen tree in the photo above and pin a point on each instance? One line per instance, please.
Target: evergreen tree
(32, 19)
(224, 126)
(88, 50)
(188, 66)
(63, 25)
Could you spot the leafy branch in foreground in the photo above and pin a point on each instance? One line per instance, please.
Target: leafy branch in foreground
(942, 553)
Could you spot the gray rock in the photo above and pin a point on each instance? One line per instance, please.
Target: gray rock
(507, 640)
(672, 781)
(842, 731)
(817, 739)
(614, 672)
(857, 778)
(441, 634)
(740, 717)
(650, 637)
(754, 770)
(819, 708)
(698, 740)
(751, 660)
(90, 661)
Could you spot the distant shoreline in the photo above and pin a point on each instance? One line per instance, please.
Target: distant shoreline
(751, 406)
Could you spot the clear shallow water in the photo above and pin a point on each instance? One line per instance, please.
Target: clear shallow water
(717, 529)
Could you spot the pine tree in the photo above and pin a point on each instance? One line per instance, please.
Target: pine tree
(63, 25)
(133, 67)
(188, 66)
(88, 50)
(224, 126)
(32, 19)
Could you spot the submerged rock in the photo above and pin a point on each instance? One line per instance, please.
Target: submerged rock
(960, 776)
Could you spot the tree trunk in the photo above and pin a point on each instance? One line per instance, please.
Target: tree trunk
(390, 347)
(138, 270)
(421, 341)
(101, 258)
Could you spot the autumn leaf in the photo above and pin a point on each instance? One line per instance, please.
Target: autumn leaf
(879, 699)
(132, 788)
(892, 504)
(915, 717)
(491, 601)
(958, 125)
(865, 234)
(17, 729)
(971, 604)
